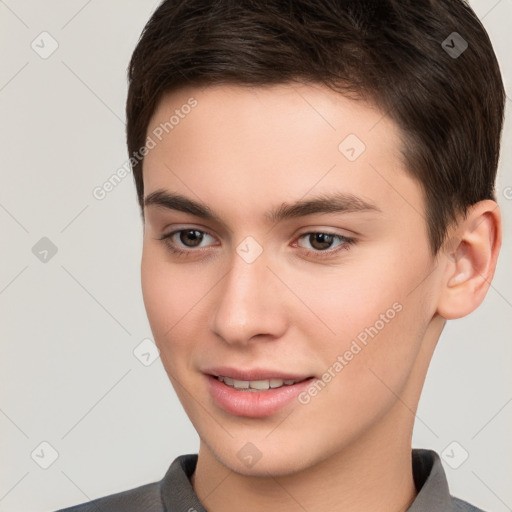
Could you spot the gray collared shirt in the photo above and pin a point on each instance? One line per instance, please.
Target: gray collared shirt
(174, 493)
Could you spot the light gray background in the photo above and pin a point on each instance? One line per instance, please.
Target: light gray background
(70, 325)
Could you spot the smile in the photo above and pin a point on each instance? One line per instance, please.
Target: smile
(255, 398)
(256, 385)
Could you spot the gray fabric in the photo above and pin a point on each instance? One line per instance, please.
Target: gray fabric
(174, 493)
(146, 498)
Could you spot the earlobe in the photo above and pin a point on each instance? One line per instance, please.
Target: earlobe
(470, 258)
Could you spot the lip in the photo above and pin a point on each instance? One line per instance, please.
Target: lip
(255, 404)
(253, 374)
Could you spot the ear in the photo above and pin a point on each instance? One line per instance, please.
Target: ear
(470, 257)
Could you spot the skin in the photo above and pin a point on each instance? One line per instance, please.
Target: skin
(243, 151)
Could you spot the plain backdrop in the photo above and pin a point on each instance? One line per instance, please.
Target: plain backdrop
(71, 319)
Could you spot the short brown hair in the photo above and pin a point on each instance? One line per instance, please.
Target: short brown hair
(408, 57)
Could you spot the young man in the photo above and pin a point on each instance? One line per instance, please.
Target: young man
(316, 179)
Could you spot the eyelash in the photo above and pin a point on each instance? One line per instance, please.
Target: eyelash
(345, 245)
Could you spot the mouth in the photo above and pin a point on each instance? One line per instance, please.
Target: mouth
(254, 393)
(258, 385)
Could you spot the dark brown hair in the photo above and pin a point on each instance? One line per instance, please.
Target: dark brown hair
(401, 55)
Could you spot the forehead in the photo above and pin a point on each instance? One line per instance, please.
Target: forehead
(257, 145)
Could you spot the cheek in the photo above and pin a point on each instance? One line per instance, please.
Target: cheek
(371, 287)
(371, 324)
(346, 300)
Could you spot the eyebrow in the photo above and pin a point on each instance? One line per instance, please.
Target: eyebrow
(338, 202)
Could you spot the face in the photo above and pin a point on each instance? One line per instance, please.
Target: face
(285, 251)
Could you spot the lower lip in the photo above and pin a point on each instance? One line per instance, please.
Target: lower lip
(253, 404)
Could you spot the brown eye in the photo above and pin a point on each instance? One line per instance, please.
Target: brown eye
(320, 241)
(191, 237)
(320, 244)
(186, 241)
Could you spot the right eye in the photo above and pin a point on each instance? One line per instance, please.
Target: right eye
(183, 241)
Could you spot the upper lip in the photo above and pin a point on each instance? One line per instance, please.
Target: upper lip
(253, 374)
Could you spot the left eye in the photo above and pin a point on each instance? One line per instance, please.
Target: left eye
(322, 241)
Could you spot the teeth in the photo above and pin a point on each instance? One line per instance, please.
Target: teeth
(260, 385)
(276, 383)
(241, 384)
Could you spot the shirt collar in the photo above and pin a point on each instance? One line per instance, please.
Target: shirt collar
(430, 481)
(429, 478)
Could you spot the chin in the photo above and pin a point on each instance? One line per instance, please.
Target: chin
(275, 461)
(273, 466)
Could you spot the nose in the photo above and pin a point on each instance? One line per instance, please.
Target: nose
(249, 302)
